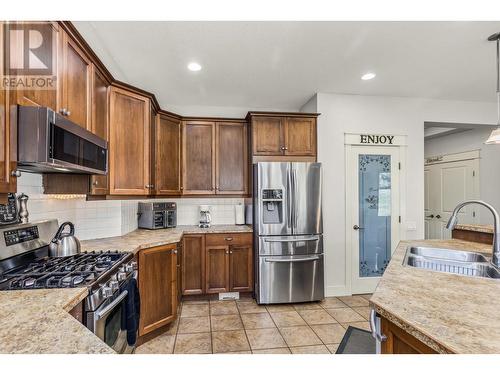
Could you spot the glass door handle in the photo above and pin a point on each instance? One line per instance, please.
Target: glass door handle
(430, 216)
(357, 227)
(438, 216)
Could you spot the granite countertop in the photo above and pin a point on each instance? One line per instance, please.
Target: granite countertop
(37, 321)
(146, 238)
(450, 313)
(484, 228)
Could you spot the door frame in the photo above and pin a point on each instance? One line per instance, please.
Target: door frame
(352, 140)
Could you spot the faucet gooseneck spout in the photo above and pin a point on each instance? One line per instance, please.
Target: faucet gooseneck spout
(496, 221)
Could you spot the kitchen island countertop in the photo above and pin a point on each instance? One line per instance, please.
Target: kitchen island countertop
(450, 313)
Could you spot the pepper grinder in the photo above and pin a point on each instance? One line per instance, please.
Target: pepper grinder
(23, 208)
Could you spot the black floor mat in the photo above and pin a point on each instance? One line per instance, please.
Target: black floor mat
(357, 341)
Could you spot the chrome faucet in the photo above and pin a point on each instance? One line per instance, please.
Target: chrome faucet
(496, 221)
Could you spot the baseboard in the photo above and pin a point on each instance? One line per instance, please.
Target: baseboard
(337, 291)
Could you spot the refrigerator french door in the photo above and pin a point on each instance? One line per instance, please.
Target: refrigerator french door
(288, 232)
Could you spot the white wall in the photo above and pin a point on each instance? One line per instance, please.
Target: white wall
(370, 114)
(489, 164)
(108, 218)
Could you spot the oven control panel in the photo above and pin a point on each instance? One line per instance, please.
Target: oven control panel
(15, 236)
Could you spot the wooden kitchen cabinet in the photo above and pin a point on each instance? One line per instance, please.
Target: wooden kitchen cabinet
(193, 264)
(217, 269)
(198, 157)
(284, 136)
(241, 267)
(231, 158)
(8, 149)
(399, 341)
(76, 76)
(100, 110)
(157, 287)
(129, 143)
(168, 155)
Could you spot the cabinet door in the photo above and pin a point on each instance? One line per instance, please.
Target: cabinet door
(241, 268)
(128, 143)
(198, 153)
(217, 269)
(100, 111)
(76, 83)
(168, 155)
(231, 160)
(267, 135)
(157, 287)
(399, 341)
(300, 136)
(43, 98)
(193, 264)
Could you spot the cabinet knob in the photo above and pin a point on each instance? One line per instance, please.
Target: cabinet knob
(149, 186)
(175, 251)
(64, 112)
(228, 238)
(227, 251)
(68, 113)
(15, 173)
(95, 183)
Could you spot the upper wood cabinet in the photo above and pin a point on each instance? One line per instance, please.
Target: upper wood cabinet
(198, 157)
(76, 76)
(8, 148)
(129, 143)
(231, 158)
(157, 287)
(100, 111)
(283, 135)
(168, 155)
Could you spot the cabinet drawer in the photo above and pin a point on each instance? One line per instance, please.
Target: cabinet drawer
(221, 239)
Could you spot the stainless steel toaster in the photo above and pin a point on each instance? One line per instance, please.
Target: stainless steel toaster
(157, 215)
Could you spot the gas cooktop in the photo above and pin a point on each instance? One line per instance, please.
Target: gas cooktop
(84, 269)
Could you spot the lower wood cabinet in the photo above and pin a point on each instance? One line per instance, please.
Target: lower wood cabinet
(399, 341)
(217, 263)
(157, 287)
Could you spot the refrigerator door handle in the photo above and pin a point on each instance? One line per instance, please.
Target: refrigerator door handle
(292, 240)
(295, 203)
(311, 259)
(289, 198)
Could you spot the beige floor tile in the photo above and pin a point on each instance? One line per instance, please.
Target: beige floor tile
(363, 311)
(229, 341)
(307, 306)
(279, 308)
(332, 303)
(258, 320)
(193, 343)
(267, 338)
(329, 333)
(197, 324)
(189, 311)
(196, 302)
(272, 351)
(345, 315)
(287, 319)
(172, 328)
(316, 317)
(360, 325)
(299, 336)
(250, 307)
(354, 301)
(223, 308)
(332, 348)
(238, 352)
(366, 296)
(226, 322)
(313, 349)
(163, 344)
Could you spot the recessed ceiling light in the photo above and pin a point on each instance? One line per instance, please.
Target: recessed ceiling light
(368, 76)
(194, 67)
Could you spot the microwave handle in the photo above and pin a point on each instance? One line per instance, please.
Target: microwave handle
(106, 310)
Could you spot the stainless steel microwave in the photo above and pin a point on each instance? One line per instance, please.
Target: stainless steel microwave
(50, 142)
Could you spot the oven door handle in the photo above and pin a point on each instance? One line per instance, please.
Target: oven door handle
(106, 310)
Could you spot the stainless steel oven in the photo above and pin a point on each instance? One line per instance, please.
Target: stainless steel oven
(49, 142)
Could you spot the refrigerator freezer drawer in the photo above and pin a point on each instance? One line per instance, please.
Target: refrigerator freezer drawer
(291, 245)
(290, 279)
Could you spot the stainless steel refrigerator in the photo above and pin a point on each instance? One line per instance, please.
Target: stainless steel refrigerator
(288, 232)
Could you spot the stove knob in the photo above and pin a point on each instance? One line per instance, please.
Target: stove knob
(114, 285)
(133, 264)
(121, 269)
(129, 268)
(106, 292)
(121, 276)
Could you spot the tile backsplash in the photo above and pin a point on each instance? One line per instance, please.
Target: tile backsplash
(99, 219)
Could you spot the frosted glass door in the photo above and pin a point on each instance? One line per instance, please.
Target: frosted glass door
(374, 197)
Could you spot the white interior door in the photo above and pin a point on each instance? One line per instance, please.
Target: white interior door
(373, 194)
(446, 185)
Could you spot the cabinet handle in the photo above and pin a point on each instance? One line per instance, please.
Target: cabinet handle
(228, 238)
(15, 173)
(231, 252)
(149, 186)
(68, 113)
(227, 251)
(175, 251)
(430, 216)
(64, 112)
(95, 183)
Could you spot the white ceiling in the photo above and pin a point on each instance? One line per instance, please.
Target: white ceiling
(282, 64)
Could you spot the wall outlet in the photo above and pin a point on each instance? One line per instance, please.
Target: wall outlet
(229, 296)
(411, 225)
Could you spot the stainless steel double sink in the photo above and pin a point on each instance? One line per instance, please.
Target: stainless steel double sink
(459, 262)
